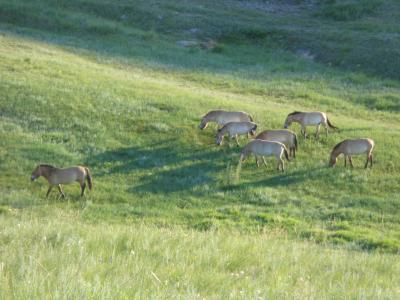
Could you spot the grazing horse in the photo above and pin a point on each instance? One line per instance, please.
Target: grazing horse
(284, 136)
(309, 118)
(352, 147)
(265, 148)
(233, 129)
(57, 176)
(221, 117)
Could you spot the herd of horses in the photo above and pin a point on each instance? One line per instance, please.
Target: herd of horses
(276, 142)
(267, 143)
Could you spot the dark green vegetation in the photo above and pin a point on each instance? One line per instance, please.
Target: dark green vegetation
(108, 84)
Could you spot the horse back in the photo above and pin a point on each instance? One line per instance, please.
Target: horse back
(67, 175)
(282, 136)
(262, 147)
(224, 117)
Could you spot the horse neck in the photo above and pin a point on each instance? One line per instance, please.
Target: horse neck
(211, 116)
(46, 171)
(246, 150)
(298, 118)
(335, 153)
(222, 131)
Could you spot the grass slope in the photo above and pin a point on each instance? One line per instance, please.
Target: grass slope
(121, 96)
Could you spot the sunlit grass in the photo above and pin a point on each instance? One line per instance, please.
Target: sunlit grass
(53, 257)
(171, 214)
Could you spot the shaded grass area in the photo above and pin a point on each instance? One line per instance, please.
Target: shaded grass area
(353, 35)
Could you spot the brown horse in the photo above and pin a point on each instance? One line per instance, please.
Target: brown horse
(284, 136)
(57, 176)
(352, 147)
(234, 129)
(265, 148)
(221, 117)
(305, 119)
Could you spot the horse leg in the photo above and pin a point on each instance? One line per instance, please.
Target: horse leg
(345, 161)
(282, 164)
(351, 161)
(257, 162)
(326, 129)
(49, 190)
(236, 139)
(83, 186)
(294, 152)
(317, 132)
(303, 131)
(265, 163)
(366, 163)
(61, 191)
(370, 160)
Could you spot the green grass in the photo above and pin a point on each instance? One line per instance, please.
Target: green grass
(83, 84)
(52, 256)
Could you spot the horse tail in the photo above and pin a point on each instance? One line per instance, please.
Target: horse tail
(251, 118)
(295, 140)
(89, 178)
(330, 124)
(286, 154)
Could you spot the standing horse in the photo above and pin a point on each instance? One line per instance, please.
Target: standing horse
(233, 129)
(56, 177)
(265, 148)
(221, 117)
(352, 147)
(309, 118)
(284, 136)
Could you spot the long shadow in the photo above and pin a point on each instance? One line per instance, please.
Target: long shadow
(282, 179)
(162, 154)
(180, 179)
(355, 129)
(183, 168)
(176, 167)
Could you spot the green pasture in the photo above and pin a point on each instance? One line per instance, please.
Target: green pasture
(109, 85)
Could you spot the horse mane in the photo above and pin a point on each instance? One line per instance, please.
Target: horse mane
(337, 146)
(295, 113)
(47, 166)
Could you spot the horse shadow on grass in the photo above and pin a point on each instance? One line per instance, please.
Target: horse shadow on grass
(171, 167)
(287, 178)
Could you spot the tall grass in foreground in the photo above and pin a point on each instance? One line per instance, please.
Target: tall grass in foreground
(53, 258)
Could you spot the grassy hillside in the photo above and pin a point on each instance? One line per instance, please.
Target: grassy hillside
(109, 85)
